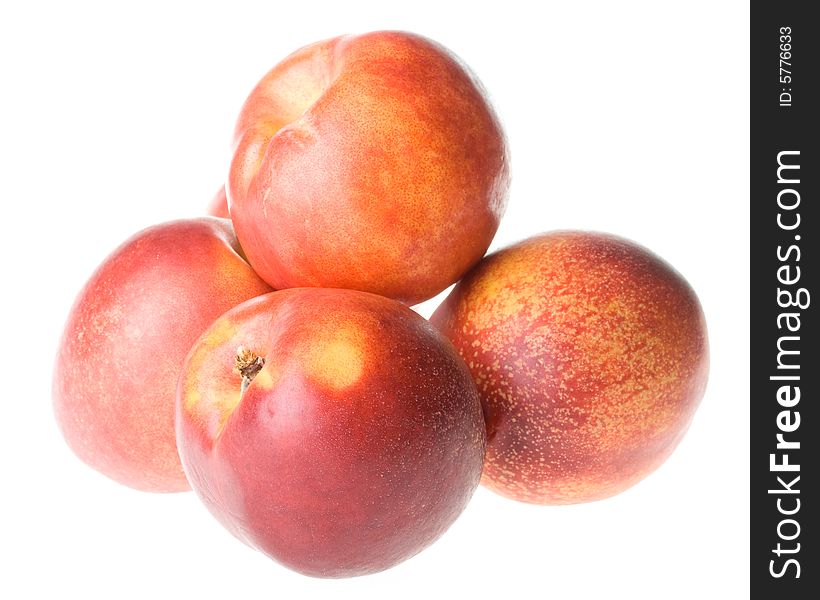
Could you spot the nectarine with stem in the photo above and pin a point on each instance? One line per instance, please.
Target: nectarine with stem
(334, 430)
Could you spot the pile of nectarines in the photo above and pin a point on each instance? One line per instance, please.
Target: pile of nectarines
(327, 424)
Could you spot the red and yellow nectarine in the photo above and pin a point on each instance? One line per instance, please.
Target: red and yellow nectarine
(336, 431)
(370, 162)
(126, 337)
(590, 355)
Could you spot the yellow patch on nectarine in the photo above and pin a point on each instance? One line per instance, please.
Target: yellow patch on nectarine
(223, 329)
(336, 360)
(267, 378)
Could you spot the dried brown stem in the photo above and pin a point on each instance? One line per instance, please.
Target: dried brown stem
(247, 364)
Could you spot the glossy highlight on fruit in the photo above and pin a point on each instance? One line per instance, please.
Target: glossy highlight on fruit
(590, 355)
(126, 337)
(371, 162)
(336, 431)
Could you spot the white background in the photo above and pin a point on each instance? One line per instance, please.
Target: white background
(629, 117)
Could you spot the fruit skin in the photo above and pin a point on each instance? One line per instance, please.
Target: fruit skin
(218, 206)
(590, 356)
(370, 162)
(356, 446)
(126, 337)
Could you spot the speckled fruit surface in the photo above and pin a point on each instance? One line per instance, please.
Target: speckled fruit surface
(371, 162)
(357, 443)
(126, 337)
(590, 355)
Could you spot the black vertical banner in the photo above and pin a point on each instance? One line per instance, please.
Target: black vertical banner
(785, 370)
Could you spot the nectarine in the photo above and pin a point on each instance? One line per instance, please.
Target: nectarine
(334, 430)
(218, 206)
(370, 162)
(590, 356)
(126, 337)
